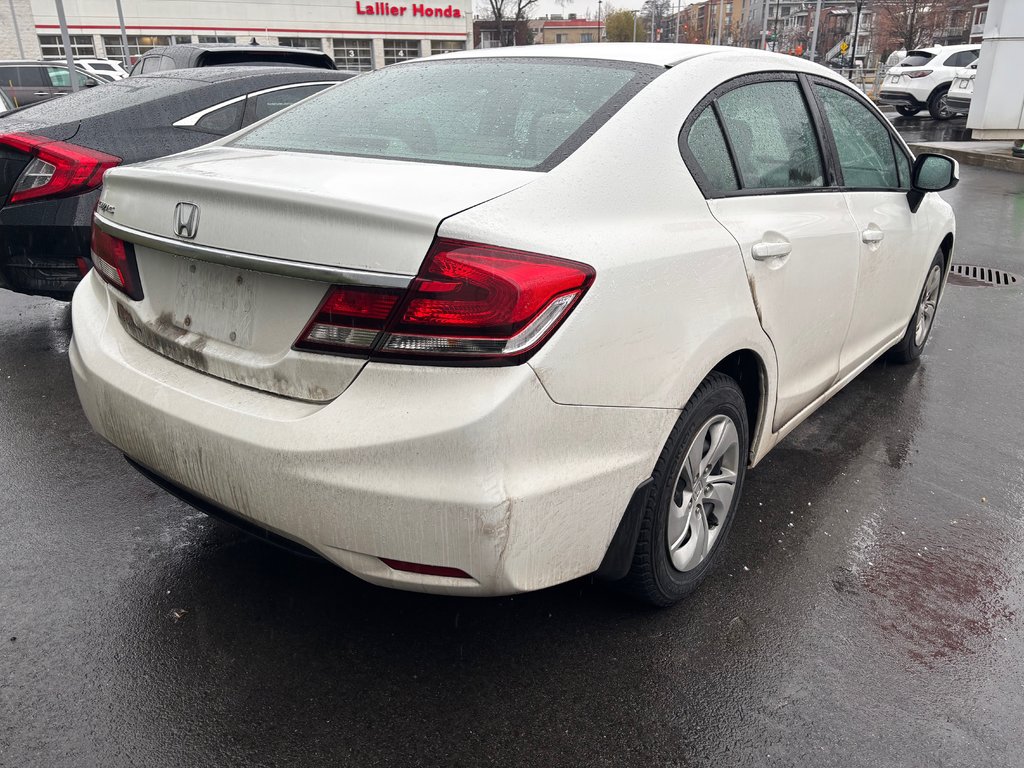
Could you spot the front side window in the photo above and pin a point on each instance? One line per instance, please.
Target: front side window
(59, 78)
(772, 136)
(266, 104)
(864, 144)
(498, 113)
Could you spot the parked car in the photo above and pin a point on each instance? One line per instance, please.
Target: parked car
(29, 82)
(962, 89)
(450, 326)
(102, 68)
(922, 80)
(53, 155)
(190, 55)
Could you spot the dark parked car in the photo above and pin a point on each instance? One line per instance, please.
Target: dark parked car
(53, 156)
(29, 82)
(188, 56)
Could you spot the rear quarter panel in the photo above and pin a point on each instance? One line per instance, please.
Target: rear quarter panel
(670, 299)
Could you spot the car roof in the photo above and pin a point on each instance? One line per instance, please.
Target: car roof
(248, 47)
(657, 54)
(935, 50)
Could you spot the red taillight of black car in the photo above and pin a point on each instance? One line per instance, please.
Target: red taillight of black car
(56, 168)
(469, 303)
(114, 259)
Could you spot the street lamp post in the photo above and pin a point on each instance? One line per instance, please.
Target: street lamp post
(124, 36)
(814, 34)
(17, 32)
(66, 39)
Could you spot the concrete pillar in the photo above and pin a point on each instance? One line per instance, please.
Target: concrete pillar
(26, 28)
(424, 47)
(378, 52)
(997, 106)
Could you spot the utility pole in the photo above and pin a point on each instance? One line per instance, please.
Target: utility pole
(124, 37)
(679, 12)
(814, 34)
(721, 18)
(764, 26)
(856, 32)
(17, 32)
(66, 39)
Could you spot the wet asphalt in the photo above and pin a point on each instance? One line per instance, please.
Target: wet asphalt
(867, 611)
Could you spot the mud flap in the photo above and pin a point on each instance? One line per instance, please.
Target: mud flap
(619, 557)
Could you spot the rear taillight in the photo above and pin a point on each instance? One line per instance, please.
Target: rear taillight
(470, 302)
(114, 259)
(919, 73)
(56, 168)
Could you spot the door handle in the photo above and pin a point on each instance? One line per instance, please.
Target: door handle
(41, 93)
(761, 251)
(872, 235)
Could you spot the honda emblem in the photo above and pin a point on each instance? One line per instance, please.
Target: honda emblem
(186, 220)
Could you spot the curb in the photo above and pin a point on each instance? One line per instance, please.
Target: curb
(976, 157)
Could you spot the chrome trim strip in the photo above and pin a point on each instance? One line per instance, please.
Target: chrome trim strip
(191, 120)
(284, 267)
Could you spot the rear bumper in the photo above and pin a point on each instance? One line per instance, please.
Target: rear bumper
(900, 99)
(957, 104)
(41, 242)
(475, 469)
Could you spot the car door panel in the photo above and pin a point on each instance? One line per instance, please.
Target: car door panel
(799, 242)
(804, 296)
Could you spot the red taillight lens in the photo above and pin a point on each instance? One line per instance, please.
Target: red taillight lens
(57, 168)
(469, 302)
(115, 260)
(919, 73)
(349, 319)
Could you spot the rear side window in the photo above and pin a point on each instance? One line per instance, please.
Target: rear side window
(707, 145)
(916, 59)
(222, 121)
(266, 104)
(961, 59)
(29, 77)
(772, 136)
(517, 113)
(864, 144)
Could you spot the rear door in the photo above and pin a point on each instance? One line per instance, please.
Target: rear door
(760, 160)
(27, 83)
(874, 171)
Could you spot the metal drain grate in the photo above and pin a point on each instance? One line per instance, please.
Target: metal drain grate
(966, 274)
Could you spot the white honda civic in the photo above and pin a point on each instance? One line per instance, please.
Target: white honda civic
(488, 322)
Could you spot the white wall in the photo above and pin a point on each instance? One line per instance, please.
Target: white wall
(26, 26)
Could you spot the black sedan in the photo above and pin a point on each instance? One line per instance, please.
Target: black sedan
(53, 155)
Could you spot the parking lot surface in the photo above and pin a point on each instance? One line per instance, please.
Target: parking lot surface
(867, 611)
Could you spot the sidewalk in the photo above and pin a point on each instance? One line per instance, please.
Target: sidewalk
(988, 154)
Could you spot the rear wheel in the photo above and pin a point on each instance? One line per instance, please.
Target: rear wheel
(920, 327)
(697, 484)
(908, 111)
(938, 107)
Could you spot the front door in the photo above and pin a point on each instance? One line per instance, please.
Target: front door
(875, 172)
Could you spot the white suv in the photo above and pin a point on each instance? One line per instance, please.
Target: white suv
(922, 80)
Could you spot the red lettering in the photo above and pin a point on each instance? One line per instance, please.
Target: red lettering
(417, 9)
(458, 14)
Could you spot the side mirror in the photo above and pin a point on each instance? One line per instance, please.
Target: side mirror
(931, 173)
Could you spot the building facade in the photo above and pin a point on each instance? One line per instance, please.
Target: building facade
(359, 34)
(570, 30)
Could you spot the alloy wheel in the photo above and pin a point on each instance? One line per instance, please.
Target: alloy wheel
(703, 492)
(926, 309)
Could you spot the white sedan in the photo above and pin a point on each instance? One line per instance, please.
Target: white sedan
(489, 322)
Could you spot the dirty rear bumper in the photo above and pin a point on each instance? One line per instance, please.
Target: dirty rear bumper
(472, 468)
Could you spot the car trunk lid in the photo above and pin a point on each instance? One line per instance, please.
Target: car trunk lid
(236, 250)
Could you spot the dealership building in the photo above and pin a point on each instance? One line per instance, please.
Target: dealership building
(359, 34)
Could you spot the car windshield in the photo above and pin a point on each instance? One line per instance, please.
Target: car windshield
(519, 113)
(917, 59)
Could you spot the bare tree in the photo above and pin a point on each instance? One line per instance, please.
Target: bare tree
(508, 13)
(908, 24)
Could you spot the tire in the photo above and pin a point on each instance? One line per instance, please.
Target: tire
(908, 111)
(917, 335)
(717, 416)
(937, 105)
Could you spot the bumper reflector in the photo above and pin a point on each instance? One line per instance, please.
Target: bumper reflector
(428, 570)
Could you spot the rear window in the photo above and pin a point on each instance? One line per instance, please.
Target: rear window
(917, 59)
(517, 113)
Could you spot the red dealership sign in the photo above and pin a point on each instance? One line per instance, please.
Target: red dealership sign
(417, 9)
